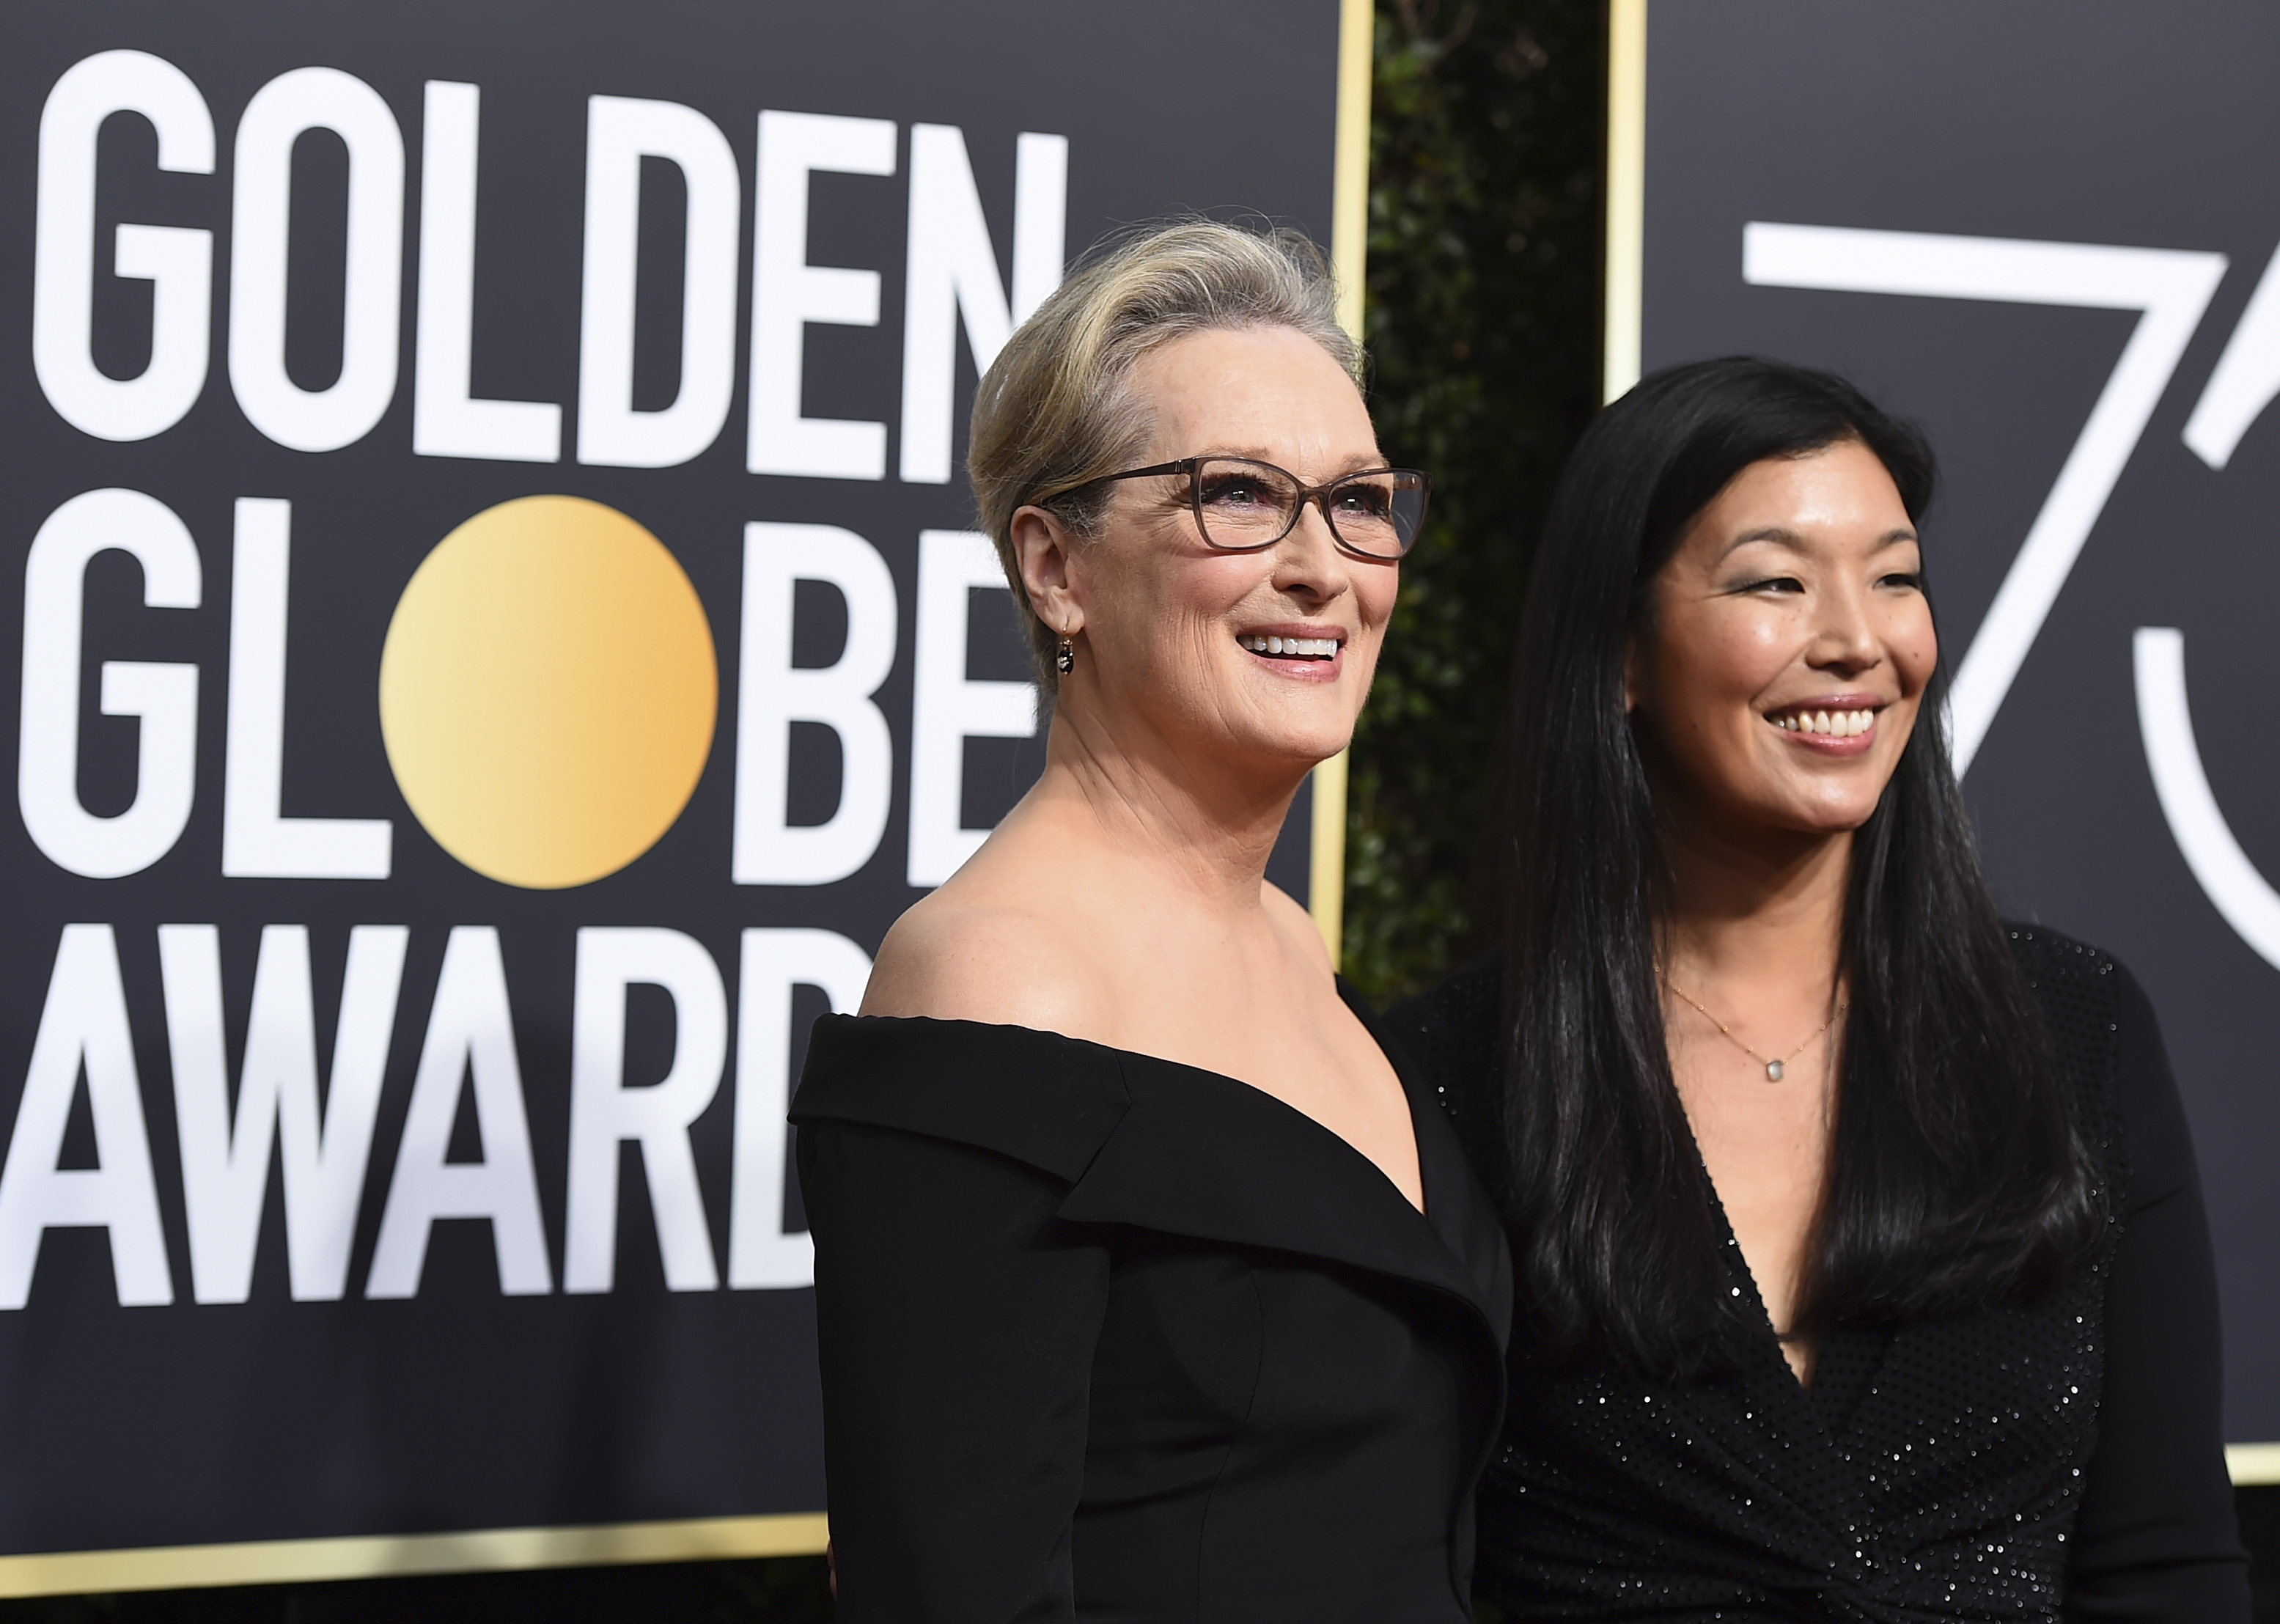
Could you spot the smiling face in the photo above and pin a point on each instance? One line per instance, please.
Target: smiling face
(1265, 654)
(1790, 647)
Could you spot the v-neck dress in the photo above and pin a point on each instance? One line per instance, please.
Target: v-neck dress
(1106, 1337)
(2057, 1460)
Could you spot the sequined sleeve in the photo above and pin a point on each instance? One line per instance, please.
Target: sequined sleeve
(2156, 1538)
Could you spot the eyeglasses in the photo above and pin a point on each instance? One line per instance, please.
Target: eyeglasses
(1244, 506)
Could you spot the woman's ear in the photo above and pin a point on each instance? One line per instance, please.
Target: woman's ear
(1043, 546)
(1630, 675)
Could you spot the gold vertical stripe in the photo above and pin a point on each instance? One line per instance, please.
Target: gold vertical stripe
(1326, 875)
(1625, 192)
(1326, 878)
(1349, 194)
(2253, 1463)
(307, 1561)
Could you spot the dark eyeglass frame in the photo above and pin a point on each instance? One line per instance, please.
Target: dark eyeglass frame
(1309, 495)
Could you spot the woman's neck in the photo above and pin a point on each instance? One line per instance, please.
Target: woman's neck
(1755, 904)
(1205, 826)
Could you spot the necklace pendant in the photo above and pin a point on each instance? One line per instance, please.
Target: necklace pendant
(1773, 1070)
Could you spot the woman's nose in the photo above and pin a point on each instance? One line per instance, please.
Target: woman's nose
(1308, 560)
(1844, 635)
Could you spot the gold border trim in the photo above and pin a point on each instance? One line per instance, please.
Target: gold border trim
(1326, 877)
(274, 1561)
(2253, 1463)
(1626, 194)
(1326, 873)
(1350, 192)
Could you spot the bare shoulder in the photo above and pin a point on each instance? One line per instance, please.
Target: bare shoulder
(951, 959)
(1294, 927)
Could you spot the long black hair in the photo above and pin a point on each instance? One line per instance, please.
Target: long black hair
(1956, 1177)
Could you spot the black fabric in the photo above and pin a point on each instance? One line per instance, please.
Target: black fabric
(1106, 1337)
(2061, 1460)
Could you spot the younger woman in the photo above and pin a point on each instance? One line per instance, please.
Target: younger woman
(1860, 1261)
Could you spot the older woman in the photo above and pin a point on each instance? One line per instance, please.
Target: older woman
(1147, 1286)
(1861, 1267)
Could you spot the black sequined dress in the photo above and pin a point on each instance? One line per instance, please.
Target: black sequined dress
(2062, 1460)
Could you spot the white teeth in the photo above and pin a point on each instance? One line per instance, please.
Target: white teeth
(1317, 648)
(1834, 724)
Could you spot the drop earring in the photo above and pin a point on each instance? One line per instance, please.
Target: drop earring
(1065, 657)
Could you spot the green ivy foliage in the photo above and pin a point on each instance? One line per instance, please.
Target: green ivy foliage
(1483, 310)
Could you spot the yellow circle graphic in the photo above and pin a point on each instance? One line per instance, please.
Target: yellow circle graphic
(547, 691)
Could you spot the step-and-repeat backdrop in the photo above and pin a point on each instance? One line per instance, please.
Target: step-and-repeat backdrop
(501, 639)
(2046, 230)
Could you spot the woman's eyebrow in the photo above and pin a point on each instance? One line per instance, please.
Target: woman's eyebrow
(1781, 537)
(1777, 533)
(1353, 465)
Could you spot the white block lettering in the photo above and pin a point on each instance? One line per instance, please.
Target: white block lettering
(313, 98)
(255, 840)
(471, 1037)
(176, 260)
(605, 1113)
(788, 293)
(761, 1256)
(446, 419)
(226, 1164)
(164, 696)
(84, 1023)
(953, 274)
(947, 707)
(619, 133)
(772, 694)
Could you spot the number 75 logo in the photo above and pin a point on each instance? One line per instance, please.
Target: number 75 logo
(2172, 288)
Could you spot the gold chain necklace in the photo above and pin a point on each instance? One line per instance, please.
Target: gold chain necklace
(1774, 1068)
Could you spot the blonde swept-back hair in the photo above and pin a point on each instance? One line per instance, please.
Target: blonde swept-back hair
(1056, 410)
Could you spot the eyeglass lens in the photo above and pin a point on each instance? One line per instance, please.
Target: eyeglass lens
(1244, 504)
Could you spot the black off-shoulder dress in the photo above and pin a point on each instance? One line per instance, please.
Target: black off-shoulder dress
(1106, 1337)
(2062, 1460)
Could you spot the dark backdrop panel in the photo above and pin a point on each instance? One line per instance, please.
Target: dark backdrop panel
(2098, 123)
(462, 1407)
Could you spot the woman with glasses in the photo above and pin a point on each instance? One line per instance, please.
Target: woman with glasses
(1147, 1286)
(1860, 1261)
